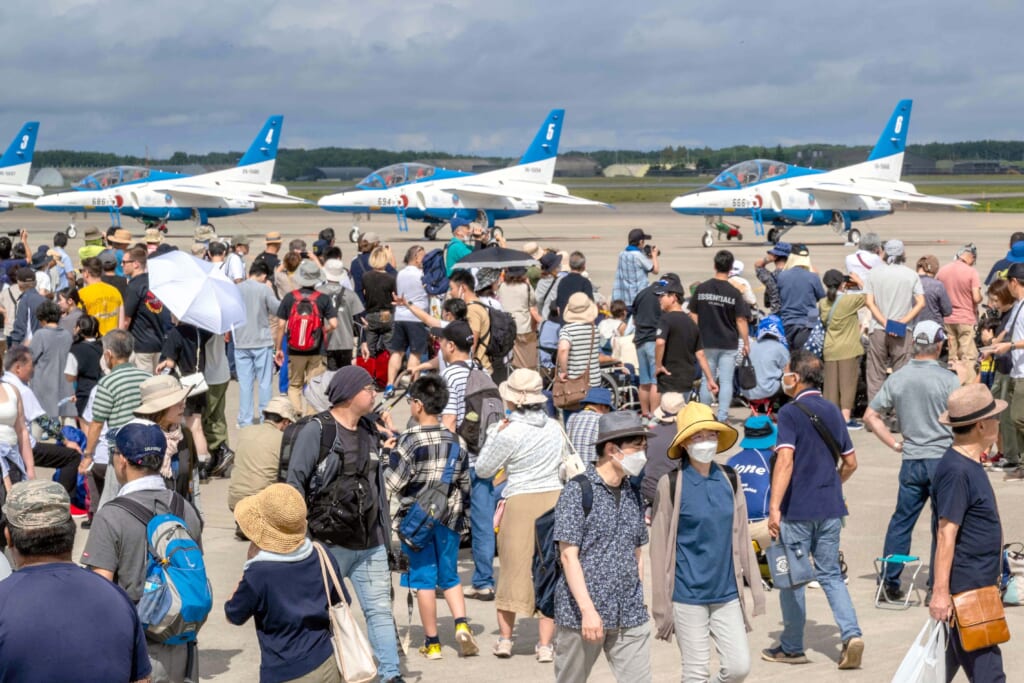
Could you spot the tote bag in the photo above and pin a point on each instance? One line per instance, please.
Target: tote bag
(352, 651)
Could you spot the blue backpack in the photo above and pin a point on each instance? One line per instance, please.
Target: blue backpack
(177, 597)
(435, 273)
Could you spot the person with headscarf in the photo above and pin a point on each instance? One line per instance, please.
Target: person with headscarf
(768, 355)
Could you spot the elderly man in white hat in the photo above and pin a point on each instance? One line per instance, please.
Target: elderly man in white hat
(308, 317)
(337, 286)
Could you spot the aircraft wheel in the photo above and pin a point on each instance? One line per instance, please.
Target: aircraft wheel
(853, 236)
(72, 232)
(707, 240)
(773, 235)
(430, 232)
(162, 228)
(353, 234)
(739, 236)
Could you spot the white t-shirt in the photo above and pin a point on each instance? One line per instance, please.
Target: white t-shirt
(234, 267)
(409, 286)
(861, 262)
(102, 453)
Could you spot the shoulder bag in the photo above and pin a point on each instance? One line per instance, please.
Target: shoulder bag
(195, 382)
(417, 526)
(978, 614)
(352, 651)
(567, 393)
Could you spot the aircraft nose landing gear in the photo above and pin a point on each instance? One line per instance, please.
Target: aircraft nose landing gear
(353, 234)
(71, 231)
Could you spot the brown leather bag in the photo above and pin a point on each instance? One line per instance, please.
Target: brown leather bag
(979, 618)
(567, 393)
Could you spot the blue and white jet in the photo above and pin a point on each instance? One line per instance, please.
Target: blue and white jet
(155, 197)
(15, 168)
(786, 195)
(437, 195)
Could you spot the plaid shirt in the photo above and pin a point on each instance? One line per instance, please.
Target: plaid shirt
(417, 461)
(583, 428)
(631, 274)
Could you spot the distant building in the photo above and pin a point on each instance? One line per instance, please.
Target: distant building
(48, 177)
(576, 166)
(915, 164)
(626, 170)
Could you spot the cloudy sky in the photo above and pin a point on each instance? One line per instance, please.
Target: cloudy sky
(477, 76)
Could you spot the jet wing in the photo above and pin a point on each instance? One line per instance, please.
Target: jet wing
(895, 194)
(526, 192)
(184, 193)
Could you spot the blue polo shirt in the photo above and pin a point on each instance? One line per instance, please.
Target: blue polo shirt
(704, 569)
(752, 466)
(815, 477)
(800, 290)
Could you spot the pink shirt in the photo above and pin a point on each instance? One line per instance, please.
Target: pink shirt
(960, 281)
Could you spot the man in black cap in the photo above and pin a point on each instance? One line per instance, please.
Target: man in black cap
(646, 315)
(348, 506)
(25, 322)
(634, 265)
(678, 349)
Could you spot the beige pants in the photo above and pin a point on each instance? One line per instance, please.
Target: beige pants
(524, 353)
(961, 342)
(325, 673)
(301, 369)
(516, 540)
(146, 361)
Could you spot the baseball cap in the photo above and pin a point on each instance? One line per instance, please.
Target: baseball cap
(140, 443)
(458, 222)
(928, 332)
(25, 274)
(37, 504)
(636, 234)
(781, 249)
(458, 332)
(669, 287)
(1015, 271)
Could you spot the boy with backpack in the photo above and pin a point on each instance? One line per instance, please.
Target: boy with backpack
(124, 534)
(599, 529)
(430, 472)
(334, 462)
(307, 318)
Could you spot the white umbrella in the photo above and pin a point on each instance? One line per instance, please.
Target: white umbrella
(196, 292)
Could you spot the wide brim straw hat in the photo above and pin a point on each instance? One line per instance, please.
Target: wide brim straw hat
(160, 392)
(970, 404)
(274, 519)
(580, 309)
(523, 387)
(697, 417)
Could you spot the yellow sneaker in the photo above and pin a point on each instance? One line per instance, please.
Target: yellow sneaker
(466, 640)
(432, 651)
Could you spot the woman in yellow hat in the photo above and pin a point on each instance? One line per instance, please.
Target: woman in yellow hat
(701, 551)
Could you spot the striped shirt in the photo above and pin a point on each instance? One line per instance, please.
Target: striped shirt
(583, 350)
(455, 376)
(118, 394)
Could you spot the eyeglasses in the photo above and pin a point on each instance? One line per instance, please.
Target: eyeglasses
(371, 388)
(410, 400)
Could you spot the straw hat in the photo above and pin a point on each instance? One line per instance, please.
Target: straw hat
(523, 387)
(697, 417)
(274, 519)
(273, 237)
(154, 236)
(160, 392)
(534, 250)
(120, 236)
(580, 309)
(970, 404)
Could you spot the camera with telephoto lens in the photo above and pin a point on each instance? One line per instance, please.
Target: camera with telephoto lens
(650, 249)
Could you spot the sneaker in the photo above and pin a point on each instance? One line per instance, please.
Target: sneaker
(431, 651)
(227, 459)
(778, 655)
(895, 594)
(854, 425)
(86, 524)
(1016, 474)
(483, 594)
(853, 650)
(389, 391)
(466, 641)
(1003, 464)
(545, 653)
(503, 648)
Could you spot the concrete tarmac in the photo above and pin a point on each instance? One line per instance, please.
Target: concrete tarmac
(230, 653)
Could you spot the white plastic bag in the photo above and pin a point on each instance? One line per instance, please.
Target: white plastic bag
(926, 660)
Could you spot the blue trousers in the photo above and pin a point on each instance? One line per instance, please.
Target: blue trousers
(915, 490)
(722, 363)
(483, 499)
(254, 367)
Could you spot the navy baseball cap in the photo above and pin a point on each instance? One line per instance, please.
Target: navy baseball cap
(781, 249)
(140, 443)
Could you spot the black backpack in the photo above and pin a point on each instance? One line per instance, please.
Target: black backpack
(501, 336)
(328, 432)
(547, 565)
(483, 407)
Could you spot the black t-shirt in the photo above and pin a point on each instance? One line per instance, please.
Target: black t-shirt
(569, 285)
(646, 314)
(682, 342)
(323, 302)
(271, 260)
(717, 305)
(964, 496)
(117, 282)
(150, 319)
(378, 288)
(185, 345)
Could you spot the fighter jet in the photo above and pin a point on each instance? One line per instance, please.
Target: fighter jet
(15, 166)
(155, 197)
(436, 195)
(786, 195)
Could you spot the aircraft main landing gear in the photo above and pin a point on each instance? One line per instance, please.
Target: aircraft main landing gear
(71, 231)
(853, 236)
(430, 232)
(773, 235)
(708, 239)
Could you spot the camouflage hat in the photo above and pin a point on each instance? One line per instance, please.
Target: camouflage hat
(204, 233)
(37, 504)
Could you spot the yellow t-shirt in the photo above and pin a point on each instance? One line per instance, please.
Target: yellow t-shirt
(101, 301)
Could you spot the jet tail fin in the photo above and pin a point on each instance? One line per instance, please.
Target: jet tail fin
(537, 165)
(16, 163)
(886, 159)
(257, 164)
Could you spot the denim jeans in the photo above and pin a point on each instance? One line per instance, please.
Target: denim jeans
(822, 537)
(483, 498)
(722, 363)
(915, 490)
(368, 571)
(253, 366)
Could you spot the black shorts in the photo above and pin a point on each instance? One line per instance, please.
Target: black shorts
(408, 335)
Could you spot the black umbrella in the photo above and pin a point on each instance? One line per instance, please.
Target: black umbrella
(496, 257)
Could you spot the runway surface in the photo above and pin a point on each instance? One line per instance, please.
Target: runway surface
(229, 653)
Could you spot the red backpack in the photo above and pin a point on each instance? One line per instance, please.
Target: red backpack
(305, 325)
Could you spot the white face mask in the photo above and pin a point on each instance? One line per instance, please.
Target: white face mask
(633, 463)
(703, 451)
(787, 387)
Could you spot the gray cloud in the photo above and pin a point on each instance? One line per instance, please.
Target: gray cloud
(465, 76)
